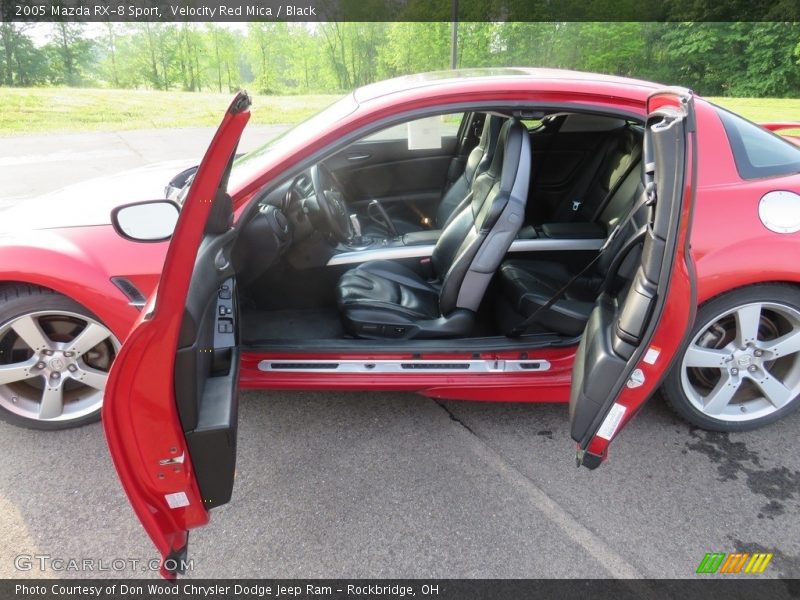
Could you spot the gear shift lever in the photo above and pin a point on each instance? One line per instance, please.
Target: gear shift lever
(357, 241)
(356, 226)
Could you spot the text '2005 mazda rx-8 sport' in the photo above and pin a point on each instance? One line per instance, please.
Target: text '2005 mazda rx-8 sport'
(505, 235)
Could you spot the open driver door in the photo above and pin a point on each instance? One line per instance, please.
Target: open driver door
(170, 406)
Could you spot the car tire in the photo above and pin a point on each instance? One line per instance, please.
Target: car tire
(59, 368)
(740, 366)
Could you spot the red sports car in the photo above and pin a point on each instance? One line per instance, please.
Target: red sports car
(511, 234)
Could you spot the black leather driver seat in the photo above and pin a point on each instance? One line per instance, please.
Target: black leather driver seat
(381, 299)
(478, 161)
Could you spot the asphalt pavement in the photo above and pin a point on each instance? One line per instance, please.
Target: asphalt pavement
(397, 485)
(36, 164)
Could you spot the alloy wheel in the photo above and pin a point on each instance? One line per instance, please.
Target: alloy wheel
(744, 364)
(54, 365)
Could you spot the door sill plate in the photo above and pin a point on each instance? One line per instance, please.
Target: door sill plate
(408, 367)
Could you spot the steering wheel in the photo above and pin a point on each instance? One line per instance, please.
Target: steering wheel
(331, 202)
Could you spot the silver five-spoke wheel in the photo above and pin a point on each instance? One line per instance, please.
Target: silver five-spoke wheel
(53, 367)
(741, 367)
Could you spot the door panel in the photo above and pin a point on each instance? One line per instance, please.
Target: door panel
(634, 332)
(169, 410)
(392, 169)
(407, 181)
(207, 371)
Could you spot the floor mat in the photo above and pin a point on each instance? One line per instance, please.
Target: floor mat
(291, 324)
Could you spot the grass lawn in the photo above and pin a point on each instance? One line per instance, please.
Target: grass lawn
(762, 109)
(42, 110)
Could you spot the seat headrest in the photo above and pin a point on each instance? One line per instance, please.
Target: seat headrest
(505, 163)
(488, 142)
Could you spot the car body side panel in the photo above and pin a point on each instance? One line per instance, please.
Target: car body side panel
(79, 262)
(730, 245)
(551, 385)
(753, 254)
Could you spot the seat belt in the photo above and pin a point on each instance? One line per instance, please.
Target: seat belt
(647, 199)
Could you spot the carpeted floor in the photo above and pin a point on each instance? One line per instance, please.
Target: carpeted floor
(291, 324)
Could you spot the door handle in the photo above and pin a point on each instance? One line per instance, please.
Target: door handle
(356, 156)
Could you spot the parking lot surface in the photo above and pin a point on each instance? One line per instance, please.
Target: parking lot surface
(396, 485)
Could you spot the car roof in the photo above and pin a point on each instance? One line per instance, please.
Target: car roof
(491, 76)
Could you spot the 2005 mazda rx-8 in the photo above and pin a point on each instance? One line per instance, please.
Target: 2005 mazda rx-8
(523, 235)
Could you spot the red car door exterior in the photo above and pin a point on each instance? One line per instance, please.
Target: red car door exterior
(634, 334)
(147, 429)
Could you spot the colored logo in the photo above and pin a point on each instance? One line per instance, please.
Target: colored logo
(734, 563)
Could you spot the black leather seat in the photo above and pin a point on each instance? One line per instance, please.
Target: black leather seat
(478, 161)
(529, 284)
(382, 299)
(525, 285)
(617, 154)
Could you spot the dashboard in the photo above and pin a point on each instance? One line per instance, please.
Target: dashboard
(283, 220)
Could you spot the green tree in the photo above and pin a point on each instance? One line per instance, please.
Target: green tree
(769, 68)
(110, 40)
(479, 44)
(21, 63)
(352, 51)
(412, 47)
(613, 48)
(268, 49)
(703, 56)
(72, 53)
(223, 57)
(190, 49)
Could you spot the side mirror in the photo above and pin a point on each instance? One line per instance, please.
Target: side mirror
(150, 221)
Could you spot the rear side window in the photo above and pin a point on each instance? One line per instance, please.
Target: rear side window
(758, 153)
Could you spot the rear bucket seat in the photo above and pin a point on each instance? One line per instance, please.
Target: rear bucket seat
(525, 285)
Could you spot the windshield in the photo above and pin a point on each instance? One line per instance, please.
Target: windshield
(254, 162)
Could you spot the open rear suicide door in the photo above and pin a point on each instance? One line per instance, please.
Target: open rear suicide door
(634, 333)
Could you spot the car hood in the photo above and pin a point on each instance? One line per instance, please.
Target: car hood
(90, 202)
